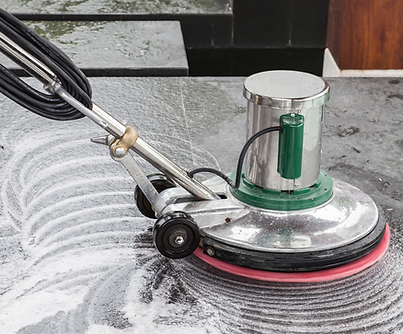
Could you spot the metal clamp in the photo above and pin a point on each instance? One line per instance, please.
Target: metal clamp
(120, 146)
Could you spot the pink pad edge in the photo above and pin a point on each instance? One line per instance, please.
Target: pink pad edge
(344, 270)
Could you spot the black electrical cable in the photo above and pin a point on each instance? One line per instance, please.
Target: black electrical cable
(38, 46)
(67, 73)
(240, 159)
(213, 171)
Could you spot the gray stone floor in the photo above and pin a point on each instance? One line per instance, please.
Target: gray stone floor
(77, 257)
(115, 6)
(122, 48)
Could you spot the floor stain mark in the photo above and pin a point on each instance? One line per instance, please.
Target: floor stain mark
(399, 96)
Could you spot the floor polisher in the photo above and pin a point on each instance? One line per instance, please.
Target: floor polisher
(278, 217)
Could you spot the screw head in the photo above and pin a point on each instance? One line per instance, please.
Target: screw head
(120, 152)
(210, 251)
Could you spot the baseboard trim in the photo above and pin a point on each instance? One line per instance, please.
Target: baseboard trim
(331, 69)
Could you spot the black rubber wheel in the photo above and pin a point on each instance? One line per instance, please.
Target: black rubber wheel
(160, 183)
(176, 235)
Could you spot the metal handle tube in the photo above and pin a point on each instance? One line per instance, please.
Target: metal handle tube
(172, 170)
(142, 148)
(32, 65)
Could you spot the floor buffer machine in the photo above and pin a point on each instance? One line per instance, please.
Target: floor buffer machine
(278, 217)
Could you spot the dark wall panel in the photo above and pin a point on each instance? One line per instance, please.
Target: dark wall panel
(280, 23)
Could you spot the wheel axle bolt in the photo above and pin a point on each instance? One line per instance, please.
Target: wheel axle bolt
(179, 240)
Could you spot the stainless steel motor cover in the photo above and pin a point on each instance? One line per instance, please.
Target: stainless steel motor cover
(274, 93)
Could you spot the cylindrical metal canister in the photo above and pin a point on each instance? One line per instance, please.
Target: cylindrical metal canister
(270, 95)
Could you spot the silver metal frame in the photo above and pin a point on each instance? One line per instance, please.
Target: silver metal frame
(348, 216)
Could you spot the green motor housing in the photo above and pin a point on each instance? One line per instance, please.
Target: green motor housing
(290, 146)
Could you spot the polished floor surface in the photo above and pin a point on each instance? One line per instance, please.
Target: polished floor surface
(76, 256)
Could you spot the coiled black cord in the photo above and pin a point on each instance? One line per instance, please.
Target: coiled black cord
(70, 76)
(240, 160)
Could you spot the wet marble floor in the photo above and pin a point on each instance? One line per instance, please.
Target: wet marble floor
(116, 48)
(76, 256)
(116, 6)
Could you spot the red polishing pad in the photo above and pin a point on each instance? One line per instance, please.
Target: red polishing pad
(345, 270)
